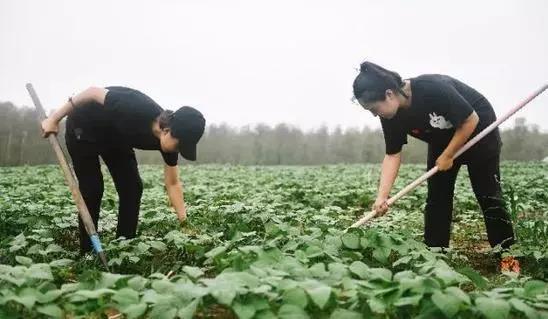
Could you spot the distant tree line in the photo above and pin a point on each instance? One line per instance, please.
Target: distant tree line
(282, 144)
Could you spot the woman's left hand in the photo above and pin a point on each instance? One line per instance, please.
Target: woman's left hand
(182, 214)
(444, 162)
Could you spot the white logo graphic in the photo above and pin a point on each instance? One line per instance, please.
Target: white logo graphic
(439, 122)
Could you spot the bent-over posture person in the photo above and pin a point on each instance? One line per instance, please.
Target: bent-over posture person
(445, 113)
(109, 123)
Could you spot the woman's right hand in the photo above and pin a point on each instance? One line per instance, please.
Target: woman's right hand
(49, 126)
(380, 206)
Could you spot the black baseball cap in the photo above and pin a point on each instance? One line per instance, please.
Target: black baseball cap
(187, 125)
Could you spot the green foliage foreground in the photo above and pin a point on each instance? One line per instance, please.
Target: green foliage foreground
(268, 242)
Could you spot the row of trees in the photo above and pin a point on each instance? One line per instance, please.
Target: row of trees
(21, 144)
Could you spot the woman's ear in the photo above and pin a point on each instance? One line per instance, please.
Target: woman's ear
(389, 94)
(166, 130)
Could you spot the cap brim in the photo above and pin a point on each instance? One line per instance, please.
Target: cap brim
(188, 151)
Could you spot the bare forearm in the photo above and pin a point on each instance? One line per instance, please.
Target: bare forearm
(389, 172)
(462, 134)
(92, 94)
(175, 194)
(61, 112)
(174, 189)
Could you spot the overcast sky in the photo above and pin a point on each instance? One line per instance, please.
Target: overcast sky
(243, 62)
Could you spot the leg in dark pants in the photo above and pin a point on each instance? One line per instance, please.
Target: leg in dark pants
(439, 203)
(123, 168)
(85, 161)
(485, 177)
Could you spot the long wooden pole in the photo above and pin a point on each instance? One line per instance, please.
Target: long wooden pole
(463, 149)
(71, 181)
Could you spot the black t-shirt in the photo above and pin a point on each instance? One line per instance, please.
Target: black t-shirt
(125, 120)
(439, 105)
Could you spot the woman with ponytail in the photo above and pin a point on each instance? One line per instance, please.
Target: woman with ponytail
(109, 123)
(445, 113)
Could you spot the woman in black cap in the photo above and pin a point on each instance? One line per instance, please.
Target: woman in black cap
(109, 122)
(445, 113)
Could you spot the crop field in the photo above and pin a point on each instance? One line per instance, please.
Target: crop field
(269, 242)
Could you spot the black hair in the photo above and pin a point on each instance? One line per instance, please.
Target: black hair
(164, 119)
(373, 80)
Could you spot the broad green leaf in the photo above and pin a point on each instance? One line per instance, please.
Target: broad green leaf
(134, 259)
(319, 295)
(541, 305)
(61, 262)
(82, 295)
(142, 248)
(459, 294)
(288, 311)
(109, 280)
(126, 296)
(237, 279)
(402, 261)
(351, 240)
(17, 243)
(215, 252)
(40, 271)
(314, 251)
(27, 300)
(158, 245)
(188, 311)
(224, 295)
(318, 270)
(137, 283)
(474, 276)
(36, 249)
(163, 311)
(521, 306)
(404, 275)
(359, 269)
(152, 297)
(265, 314)
(381, 254)
(337, 271)
(381, 273)
(448, 304)
(25, 261)
(410, 300)
(364, 242)
(534, 287)
(332, 244)
(376, 305)
(295, 296)
(449, 276)
(193, 272)
(493, 308)
(49, 296)
(243, 311)
(163, 286)
(16, 281)
(189, 291)
(52, 311)
(258, 302)
(53, 248)
(345, 314)
(134, 311)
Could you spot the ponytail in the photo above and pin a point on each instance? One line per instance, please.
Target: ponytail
(374, 80)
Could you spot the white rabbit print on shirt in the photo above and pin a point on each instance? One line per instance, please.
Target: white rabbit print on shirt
(439, 121)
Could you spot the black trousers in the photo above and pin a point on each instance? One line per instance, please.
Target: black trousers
(122, 165)
(484, 172)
